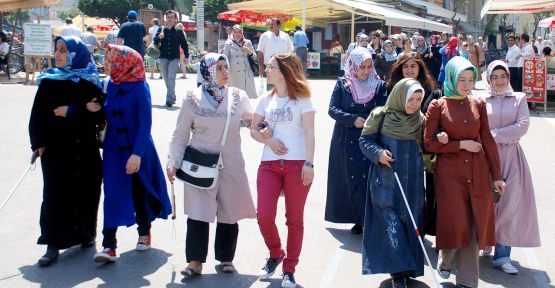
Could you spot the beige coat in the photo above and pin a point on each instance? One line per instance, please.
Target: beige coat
(201, 125)
(240, 73)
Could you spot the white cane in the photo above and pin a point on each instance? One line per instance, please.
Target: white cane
(434, 274)
(33, 159)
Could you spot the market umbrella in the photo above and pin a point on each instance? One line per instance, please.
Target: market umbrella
(252, 17)
(547, 22)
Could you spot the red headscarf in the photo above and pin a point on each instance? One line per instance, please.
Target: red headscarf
(126, 63)
(451, 50)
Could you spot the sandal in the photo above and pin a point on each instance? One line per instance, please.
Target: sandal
(192, 271)
(227, 268)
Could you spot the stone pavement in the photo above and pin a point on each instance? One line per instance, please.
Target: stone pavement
(331, 256)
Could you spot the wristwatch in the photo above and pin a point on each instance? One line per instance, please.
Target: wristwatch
(308, 164)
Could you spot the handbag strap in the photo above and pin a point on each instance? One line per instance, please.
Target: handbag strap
(227, 121)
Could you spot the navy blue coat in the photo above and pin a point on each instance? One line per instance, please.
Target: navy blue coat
(129, 115)
(348, 168)
(389, 243)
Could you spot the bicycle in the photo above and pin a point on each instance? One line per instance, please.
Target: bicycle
(16, 63)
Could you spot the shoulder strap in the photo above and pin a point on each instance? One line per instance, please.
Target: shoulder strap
(381, 124)
(228, 120)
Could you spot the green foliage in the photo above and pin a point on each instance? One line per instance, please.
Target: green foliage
(71, 13)
(214, 7)
(116, 10)
(24, 16)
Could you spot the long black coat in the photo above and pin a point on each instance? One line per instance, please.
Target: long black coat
(71, 163)
(348, 167)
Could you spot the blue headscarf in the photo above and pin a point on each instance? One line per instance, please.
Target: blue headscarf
(80, 64)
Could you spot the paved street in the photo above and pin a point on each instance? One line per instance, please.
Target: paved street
(331, 255)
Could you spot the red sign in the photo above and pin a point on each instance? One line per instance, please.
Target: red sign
(534, 80)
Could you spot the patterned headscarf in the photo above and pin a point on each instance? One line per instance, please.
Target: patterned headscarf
(80, 64)
(363, 90)
(397, 123)
(241, 41)
(210, 89)
(453, 69)
(452, 46)
(389, 56)
(509, 89)
(126, 64)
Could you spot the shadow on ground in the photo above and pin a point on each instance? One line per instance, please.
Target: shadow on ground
(76, 266)
(349, 241)
(219, 279)
(164, 107)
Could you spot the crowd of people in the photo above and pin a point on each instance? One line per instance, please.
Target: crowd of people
(456, 157)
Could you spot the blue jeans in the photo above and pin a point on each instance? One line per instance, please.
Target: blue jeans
(169, 70)
(501, 255)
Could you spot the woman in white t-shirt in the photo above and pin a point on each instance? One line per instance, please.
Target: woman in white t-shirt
(149, 61)
(285, 124)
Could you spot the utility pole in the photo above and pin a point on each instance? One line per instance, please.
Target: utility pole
(200, 25)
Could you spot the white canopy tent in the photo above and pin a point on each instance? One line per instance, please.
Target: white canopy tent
(335, 10)
(516, 6)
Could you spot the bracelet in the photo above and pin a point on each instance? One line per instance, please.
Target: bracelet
(308, 164)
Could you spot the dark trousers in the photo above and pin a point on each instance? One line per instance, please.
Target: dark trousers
(141, 216)
(196, 243)
(516, 78)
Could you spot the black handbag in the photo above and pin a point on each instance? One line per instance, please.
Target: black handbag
(201, 169)
(253, 64)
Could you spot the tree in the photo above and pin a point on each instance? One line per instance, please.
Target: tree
(537, 18)
(214, 7)
(71, 13)
(116, 10)
(24, 16)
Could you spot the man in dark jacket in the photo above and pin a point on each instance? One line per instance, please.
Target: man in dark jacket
(170, 41)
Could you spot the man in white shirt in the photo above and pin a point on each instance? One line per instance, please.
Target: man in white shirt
(70, 30)
(272, 42)
(526, 50)
(539, 44)
(90, 39)
(511, 58)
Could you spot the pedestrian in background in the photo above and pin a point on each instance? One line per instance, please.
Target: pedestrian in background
(512, 62)
(90, 39)
(353, 97)
(516, 219)
(62, 130)
(385, 60)
(407, 47)
(170, 40)
(135, 190)
(132, 32)
(182, 63)
(149, 61)
(287, 161)
(434, 60)
(200, 125)
(70, 29)
(112, 37)
(475, 55)
(467, 164)
(300, 42)
(240, 53)
(447, 53)
(391, 140)
(272, 42)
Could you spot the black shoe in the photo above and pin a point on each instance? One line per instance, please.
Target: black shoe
(288, 280)
(357, 229)
(49, 257)
(399, 283)
(89, 244)
(169, 104)
(269, 268)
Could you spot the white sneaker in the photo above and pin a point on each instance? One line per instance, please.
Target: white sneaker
(487, 251)
(106, 255)
(508, 268)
